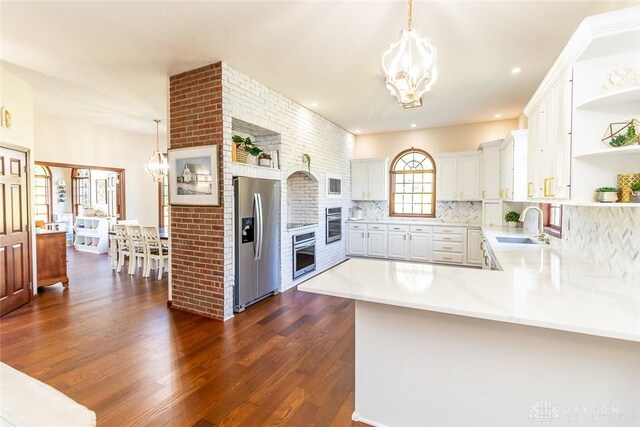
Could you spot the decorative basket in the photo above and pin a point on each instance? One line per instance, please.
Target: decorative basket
(625, 181)
(622, 134)
(240, 153)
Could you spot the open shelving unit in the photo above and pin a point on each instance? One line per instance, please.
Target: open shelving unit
(91, 234)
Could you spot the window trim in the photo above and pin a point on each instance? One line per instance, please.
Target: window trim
(161, 205)
(551, 229)
(392, 175)
(48, 190)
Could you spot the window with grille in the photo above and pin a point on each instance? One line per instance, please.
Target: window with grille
(163, 199)
(413, 190)
(43, 197)
(552, 218)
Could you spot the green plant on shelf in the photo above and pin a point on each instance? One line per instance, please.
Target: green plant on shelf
(606, 190)
(635, 186)
(248, 145)
(512, 216)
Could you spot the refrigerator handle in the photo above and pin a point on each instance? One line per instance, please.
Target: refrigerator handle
(261, 222)
(258, 227)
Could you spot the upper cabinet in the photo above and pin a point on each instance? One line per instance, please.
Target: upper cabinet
(513, 166)
(491, 170)
(592, 84)
(370, 179)
(549, 143)
(459, 176)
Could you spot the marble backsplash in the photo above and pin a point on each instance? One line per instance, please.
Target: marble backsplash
(610, 236)
(453, 212)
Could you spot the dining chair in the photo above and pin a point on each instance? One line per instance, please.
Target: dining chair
(155, 250)
(122, 243)
(136, 243)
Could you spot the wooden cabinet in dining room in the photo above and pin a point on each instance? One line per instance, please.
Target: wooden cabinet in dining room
(51, 258)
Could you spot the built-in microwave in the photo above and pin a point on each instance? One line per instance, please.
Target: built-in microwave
(334, 186)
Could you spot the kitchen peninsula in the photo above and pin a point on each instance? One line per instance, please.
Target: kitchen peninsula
(550, 327)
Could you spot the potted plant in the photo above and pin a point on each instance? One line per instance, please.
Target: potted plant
(245, 148)
(607, 194)
(264, 159)
(636, 192)
(512, 218)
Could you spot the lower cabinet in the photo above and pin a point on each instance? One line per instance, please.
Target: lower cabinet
(474, 247)
(453, 245)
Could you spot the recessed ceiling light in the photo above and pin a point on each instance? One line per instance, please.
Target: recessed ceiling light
(516, 70)
(413, 125)
(357, 131)
(314, 104)
(498, 115)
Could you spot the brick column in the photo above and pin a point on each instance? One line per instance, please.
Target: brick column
(197, 232)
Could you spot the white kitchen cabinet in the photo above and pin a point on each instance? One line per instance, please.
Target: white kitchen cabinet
(377, 243)
(397, 245)
(459, 176)
(420, 247)
(474, 247)
(356, 242)
(492, 212)
(491, 170)
(513, 166)
(370, 179)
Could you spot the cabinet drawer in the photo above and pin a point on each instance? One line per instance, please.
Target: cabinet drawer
(376, 227)
(420, 229)
(352, 226)
(396, 227)
(447, 247)
(449, 230)
(447, 237)
(447, 257)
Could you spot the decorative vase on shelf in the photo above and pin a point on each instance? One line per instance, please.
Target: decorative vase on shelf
(251, 160)
(625, 183)
(513, 224)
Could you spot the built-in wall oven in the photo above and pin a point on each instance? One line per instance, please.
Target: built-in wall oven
(304, 253)
(333, 224)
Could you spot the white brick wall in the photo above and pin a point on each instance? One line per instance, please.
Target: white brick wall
(302, 199)
(301, 131)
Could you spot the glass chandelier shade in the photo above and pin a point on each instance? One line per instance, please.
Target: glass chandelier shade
(157, 165)
(409, 66)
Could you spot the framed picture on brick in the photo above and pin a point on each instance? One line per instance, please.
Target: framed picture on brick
(193, 176)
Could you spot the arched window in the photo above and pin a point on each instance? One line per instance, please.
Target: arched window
(43, 195)
(413, 184)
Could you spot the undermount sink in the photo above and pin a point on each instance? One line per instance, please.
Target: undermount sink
(520, 240)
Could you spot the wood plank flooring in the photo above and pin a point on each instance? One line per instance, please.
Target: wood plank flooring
(110, 343)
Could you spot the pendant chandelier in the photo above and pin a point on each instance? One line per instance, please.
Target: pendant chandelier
(157, 165)
(409, 66)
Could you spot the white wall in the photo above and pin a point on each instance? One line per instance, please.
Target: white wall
(61, 174)
(433, 140)
(17, 95)
(62, 140)
(301, 131)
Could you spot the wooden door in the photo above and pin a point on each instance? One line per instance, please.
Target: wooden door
(15, 274)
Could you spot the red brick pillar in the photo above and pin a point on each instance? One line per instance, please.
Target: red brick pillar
(197, 232)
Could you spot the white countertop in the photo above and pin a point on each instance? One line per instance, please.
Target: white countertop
(539, 286)
(411, 222)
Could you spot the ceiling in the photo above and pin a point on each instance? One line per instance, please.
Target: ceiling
(108, 62)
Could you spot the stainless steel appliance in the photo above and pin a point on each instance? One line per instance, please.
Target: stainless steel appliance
(333, 224)
(257, 240)
(355, 214)
(304, 253)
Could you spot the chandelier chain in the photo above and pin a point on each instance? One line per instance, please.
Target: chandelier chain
(410, 14)
(157, 135)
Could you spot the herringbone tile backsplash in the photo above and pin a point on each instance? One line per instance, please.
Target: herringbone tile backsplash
(608, 236)
(451, 212)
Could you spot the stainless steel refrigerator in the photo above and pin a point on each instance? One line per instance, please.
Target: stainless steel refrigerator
(257, 240)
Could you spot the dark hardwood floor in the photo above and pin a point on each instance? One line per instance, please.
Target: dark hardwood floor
(110, 343)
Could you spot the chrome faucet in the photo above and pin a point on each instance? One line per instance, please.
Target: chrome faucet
(540, 236)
